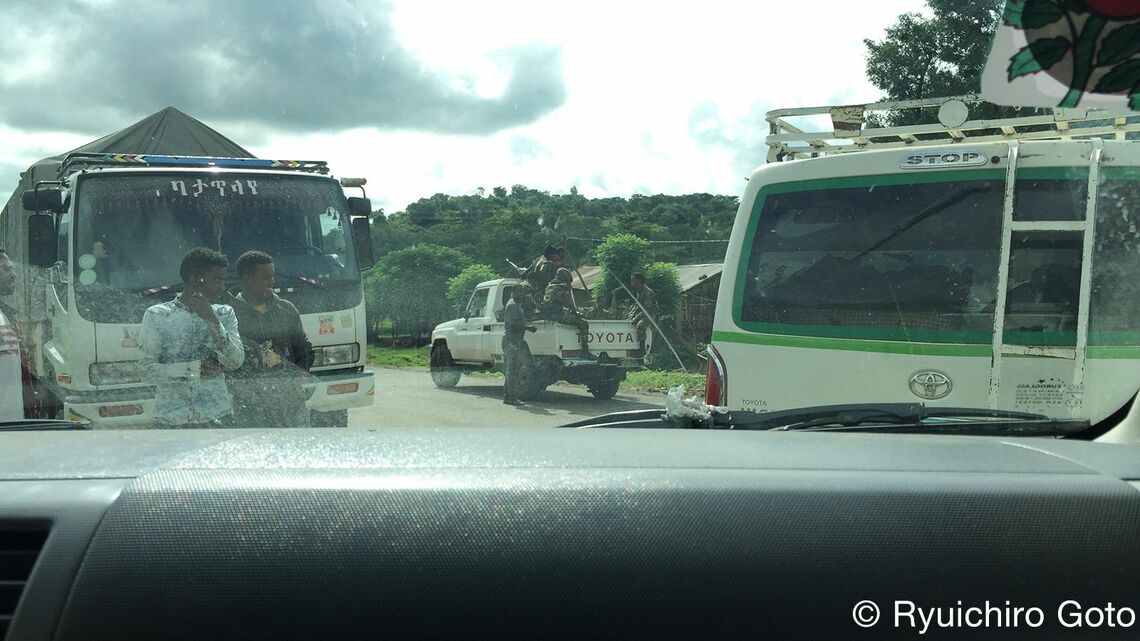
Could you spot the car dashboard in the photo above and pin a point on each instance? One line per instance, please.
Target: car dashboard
(539, 533)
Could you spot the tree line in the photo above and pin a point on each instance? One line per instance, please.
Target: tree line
(432, 254)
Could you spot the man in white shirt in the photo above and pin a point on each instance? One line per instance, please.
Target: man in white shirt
(188, 343)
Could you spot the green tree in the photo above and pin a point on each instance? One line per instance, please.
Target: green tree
(619, 255)
(460, 287)
(407, 286)
(936, 56)
(662, 278)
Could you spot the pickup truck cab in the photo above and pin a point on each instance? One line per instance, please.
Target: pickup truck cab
(474, 343)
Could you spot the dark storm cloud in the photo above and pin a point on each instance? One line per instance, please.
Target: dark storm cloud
(296, 65)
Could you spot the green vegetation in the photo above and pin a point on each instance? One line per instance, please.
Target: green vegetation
(398, 356)
(432, 254)
(658, 381)
(941, 53)
(407, 287)
(460, 287)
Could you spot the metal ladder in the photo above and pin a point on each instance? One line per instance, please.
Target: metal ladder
(1087, 228)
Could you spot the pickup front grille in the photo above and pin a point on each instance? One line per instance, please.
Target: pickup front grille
(19, 549)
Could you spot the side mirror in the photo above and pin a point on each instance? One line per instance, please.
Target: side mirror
(359, 206)
(362, 235)
(42, 242)
(45, 198)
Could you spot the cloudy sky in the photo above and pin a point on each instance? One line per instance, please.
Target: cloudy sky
(423, 96)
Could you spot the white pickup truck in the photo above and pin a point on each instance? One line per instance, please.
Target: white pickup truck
(474, 343)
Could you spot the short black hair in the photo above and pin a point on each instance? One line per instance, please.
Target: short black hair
(199, 259)
(549, 251)
(637, 276)
(251, 260)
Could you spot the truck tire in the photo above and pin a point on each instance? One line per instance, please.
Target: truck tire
(532, 383)
(443, 371)
(604, 389)
(335, 418)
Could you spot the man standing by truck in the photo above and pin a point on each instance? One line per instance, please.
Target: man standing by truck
(268, 389)
(514, 344)
(188, 343)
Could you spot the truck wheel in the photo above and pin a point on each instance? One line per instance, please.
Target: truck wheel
(443, 371)
(604, 389)
(335, 418)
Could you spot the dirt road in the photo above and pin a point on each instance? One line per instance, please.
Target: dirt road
(406, 397)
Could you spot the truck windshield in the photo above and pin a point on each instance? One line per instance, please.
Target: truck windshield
(919, 262)
(132, 229)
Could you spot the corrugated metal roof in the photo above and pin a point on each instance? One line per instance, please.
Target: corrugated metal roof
(693, 275)
(689, 275)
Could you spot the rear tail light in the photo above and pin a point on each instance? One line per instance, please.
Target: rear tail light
(716, 379)
(570, 353)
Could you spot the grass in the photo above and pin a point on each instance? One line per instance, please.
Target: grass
(398, 356)
(659, 381)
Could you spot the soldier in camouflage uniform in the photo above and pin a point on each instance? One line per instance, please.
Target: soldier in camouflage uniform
(558, 305)
(642, 294)
(542, 269)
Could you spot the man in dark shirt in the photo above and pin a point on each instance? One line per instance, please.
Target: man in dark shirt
(268, 389)
(514, 345)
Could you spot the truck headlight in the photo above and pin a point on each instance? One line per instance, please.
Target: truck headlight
(117, 373)
(328, 355)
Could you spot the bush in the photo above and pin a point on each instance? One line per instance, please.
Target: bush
(408, 286)
(459, 288)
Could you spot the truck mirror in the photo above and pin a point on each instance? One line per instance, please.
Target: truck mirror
(359, 206)
(362, 234)
(45, 198)
(42, 242)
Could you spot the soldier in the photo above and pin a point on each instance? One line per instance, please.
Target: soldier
(541, 270)
(525, 300)
(514, 345)
(642, 294)
(558, 305)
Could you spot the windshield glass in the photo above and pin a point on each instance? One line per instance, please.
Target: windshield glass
(434, 214)
(299, 220)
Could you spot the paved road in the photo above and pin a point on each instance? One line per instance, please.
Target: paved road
(406, 397)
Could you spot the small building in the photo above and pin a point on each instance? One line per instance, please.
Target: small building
(699, 286)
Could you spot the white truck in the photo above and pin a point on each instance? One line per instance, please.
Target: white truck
(101, 238)
(474, 343)
(960, 263)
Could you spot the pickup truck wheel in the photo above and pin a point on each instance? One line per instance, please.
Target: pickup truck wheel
(531, 382)
(604, 389)
(443, 371)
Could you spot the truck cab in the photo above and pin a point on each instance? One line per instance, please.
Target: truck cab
(474, 343)
(122, 223)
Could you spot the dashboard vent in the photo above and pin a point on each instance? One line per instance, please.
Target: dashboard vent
(19, 549)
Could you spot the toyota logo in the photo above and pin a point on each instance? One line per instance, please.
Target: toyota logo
(930, 385)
